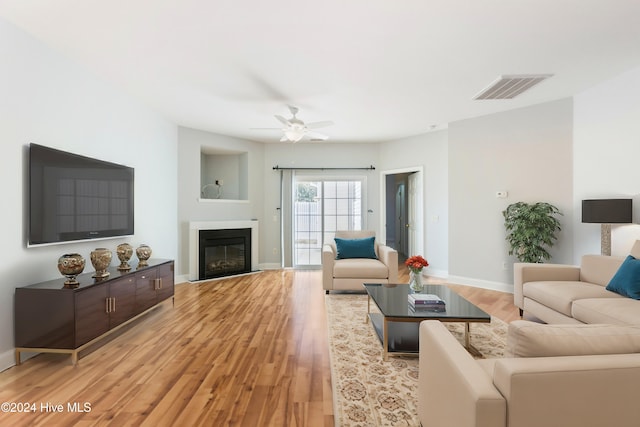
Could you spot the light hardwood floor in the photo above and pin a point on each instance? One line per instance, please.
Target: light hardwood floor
(244, 351)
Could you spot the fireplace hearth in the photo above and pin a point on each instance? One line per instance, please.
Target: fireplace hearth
(224, 252)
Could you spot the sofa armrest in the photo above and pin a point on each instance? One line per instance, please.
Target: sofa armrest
(453, 390)
(389, 257)
(570, 391)
(524, 272)
(328, 260)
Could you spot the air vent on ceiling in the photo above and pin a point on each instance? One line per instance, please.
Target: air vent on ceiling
(510, 86)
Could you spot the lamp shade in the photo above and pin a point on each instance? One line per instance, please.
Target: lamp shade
(607, 211)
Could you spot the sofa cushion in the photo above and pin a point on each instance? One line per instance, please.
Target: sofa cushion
(355, 248)
(617, 311)
(626, 281)
(360, 268)
(559, 295)
(530, 339)
(598, 269)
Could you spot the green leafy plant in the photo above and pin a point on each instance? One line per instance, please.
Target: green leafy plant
(531, 229)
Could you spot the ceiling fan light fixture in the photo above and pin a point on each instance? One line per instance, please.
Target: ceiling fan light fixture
(294, 134)
(295, 129)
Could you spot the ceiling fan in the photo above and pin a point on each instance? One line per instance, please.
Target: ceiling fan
(295, 129)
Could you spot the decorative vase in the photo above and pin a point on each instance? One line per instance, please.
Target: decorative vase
(124, 252)
(101, 260)
(144, 253)
(70, 265)
(415, 280)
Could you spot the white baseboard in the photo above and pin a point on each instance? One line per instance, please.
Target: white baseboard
(479, 283)
(181, 278)
(440, 274)
(270, 266)
(7, 360)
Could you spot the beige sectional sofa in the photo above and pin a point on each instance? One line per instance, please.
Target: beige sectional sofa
(555, 376)
(556, 293)
(582, 369)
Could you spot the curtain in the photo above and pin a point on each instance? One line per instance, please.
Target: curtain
(286, 217)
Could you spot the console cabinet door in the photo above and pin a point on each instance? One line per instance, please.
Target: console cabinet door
(123, 294)
(166, 285)
(92, 318)
(145, 289)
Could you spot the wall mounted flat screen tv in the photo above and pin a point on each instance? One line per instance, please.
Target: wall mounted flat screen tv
(75, 198)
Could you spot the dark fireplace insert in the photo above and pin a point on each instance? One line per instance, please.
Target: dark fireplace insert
(224, 253)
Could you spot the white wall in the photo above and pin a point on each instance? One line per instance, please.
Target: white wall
(49, 100)
(191, 208)
(428, 151)
(526, 152)
(606, 156)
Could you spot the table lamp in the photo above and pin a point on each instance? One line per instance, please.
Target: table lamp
(606, 212)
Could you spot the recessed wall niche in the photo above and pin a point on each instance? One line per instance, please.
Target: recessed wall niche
(224, 174)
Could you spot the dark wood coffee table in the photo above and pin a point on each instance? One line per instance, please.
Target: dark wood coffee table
(397, 323)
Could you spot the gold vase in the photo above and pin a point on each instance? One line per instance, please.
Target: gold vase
(144, 253)
(124, 252)
(70, 265)
(101, 260)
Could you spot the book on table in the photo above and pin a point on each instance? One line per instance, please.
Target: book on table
(426, 302)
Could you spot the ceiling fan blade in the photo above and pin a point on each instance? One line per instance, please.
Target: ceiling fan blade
(265, 128)
(317, 125)
(283, 120)
(315, 136)
(284, 139)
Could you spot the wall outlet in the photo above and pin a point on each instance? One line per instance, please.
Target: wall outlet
(505, 265)
(275, 251)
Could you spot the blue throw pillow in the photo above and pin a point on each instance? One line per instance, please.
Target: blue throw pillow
(356, 248)
(626, 281)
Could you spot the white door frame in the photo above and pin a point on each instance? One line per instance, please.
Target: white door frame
(419, 207)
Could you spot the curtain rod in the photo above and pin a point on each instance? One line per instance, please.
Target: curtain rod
(278, 168)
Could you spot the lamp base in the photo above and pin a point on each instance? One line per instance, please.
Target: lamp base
(605, 239)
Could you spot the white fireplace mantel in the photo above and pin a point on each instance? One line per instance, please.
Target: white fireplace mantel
(194, 231)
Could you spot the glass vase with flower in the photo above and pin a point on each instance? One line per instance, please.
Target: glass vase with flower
(415, 264)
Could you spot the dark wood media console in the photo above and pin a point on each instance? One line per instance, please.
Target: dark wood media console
(50, 318)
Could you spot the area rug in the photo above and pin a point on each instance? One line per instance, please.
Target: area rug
(368, 391)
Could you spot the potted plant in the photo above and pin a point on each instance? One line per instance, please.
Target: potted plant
(531, 229)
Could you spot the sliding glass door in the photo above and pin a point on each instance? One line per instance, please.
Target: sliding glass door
(321, 207)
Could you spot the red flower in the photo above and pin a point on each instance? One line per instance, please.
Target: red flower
(416, 263)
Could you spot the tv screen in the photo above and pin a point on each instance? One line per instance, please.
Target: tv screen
(72, 197)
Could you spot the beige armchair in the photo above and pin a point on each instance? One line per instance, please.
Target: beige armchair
(349, 274)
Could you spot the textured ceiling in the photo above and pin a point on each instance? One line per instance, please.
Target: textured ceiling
(379, 69)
